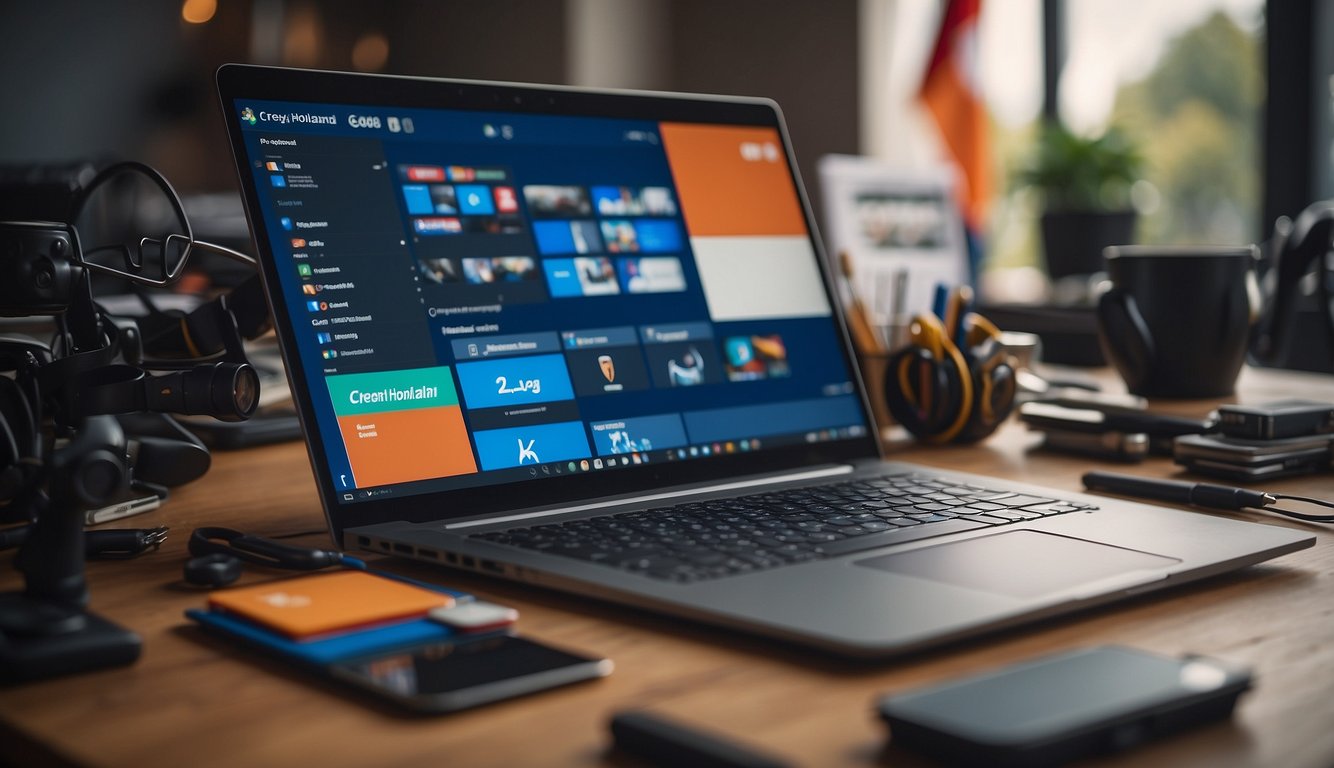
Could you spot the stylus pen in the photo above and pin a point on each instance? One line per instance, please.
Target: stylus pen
(941, 300)
(1177, 491)
(667, 744)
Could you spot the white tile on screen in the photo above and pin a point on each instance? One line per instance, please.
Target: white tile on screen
(759, 278)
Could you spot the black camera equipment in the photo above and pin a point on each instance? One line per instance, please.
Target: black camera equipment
(1285, 336)
(86, 417)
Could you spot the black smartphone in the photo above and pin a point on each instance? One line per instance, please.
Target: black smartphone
(1243, 459)
(445, 677)
(1063, 707)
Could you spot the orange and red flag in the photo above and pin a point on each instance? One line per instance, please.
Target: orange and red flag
(952, 95)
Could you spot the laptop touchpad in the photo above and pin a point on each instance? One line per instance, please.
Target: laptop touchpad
(1018, 563)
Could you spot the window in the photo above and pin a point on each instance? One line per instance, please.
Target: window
(1184, 80)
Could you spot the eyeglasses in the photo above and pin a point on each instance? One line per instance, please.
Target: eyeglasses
(151, 261)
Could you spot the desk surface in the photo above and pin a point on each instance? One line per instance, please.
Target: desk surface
(193, 700)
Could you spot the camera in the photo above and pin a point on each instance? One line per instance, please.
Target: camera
(225, 391)
(85, 416)
(37, 274)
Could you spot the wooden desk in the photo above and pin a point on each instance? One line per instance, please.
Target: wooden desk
(192, 700)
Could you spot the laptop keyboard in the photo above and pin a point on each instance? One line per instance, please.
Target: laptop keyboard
(726, 537)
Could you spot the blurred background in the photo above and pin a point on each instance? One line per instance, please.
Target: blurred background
(1227, 106)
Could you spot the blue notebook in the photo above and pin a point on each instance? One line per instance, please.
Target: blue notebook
(323, 652)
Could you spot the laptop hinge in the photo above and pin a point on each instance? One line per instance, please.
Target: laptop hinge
(808, 474)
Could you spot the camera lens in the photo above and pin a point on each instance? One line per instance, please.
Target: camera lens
(225, 391)
(232, 391)
(245, 390)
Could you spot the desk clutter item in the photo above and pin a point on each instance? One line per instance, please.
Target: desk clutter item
(216, 555)
(955, 381)
(315, 606)
(1177, 319)
(661, 742)
(1204, 495)
(1241, 459)
(1052, 710)
(1287, 332)
(1278, 439)
(1273, 421)
(86, 428)
(1108, 431)
(414, 644)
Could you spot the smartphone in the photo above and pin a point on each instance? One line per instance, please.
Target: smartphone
(449, 676)
(1243, 459)
(1289, 467)
(1243, 451)
(1064, 707)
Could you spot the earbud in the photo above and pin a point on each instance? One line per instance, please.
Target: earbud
(215, 570)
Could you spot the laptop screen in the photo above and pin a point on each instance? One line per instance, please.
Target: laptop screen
(482, 297)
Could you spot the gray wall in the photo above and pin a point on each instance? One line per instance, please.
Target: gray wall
(130, 79)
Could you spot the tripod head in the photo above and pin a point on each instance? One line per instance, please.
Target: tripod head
(65, 406)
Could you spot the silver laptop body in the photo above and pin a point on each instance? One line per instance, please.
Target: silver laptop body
(468, 281)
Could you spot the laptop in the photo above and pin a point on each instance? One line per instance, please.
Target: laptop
(588, 340)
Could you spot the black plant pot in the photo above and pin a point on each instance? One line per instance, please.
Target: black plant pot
(1072, 241)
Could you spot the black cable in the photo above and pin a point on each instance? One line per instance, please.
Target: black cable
(105, 544)
(1302, 515)
(299, 534)
(122, 543)
(1305, 499)
(263, 551)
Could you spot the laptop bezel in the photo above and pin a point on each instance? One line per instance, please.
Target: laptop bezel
(237, 81)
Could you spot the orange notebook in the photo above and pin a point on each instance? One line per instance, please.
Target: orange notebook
(309, 606)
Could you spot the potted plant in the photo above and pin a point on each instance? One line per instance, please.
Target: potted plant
(1085, 187)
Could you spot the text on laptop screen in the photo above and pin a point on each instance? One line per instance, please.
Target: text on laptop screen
(485, 297)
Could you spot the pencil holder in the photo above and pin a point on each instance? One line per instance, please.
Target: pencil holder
(943, 392)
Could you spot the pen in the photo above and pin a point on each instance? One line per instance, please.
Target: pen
(941, 301)
(860, 325)
(880, 304)
(900, 306)
(961, 301)
(1177, 491)
(898, 309)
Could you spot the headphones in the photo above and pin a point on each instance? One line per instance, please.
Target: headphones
(946, 392)
(216, 555)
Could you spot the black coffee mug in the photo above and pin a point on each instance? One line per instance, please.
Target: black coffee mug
(1176, 320)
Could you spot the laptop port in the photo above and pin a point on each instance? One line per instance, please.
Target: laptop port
(363, 541)
(451, 558)
(429, 554)
(492, 566)
(403, 548)
(469, 562)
